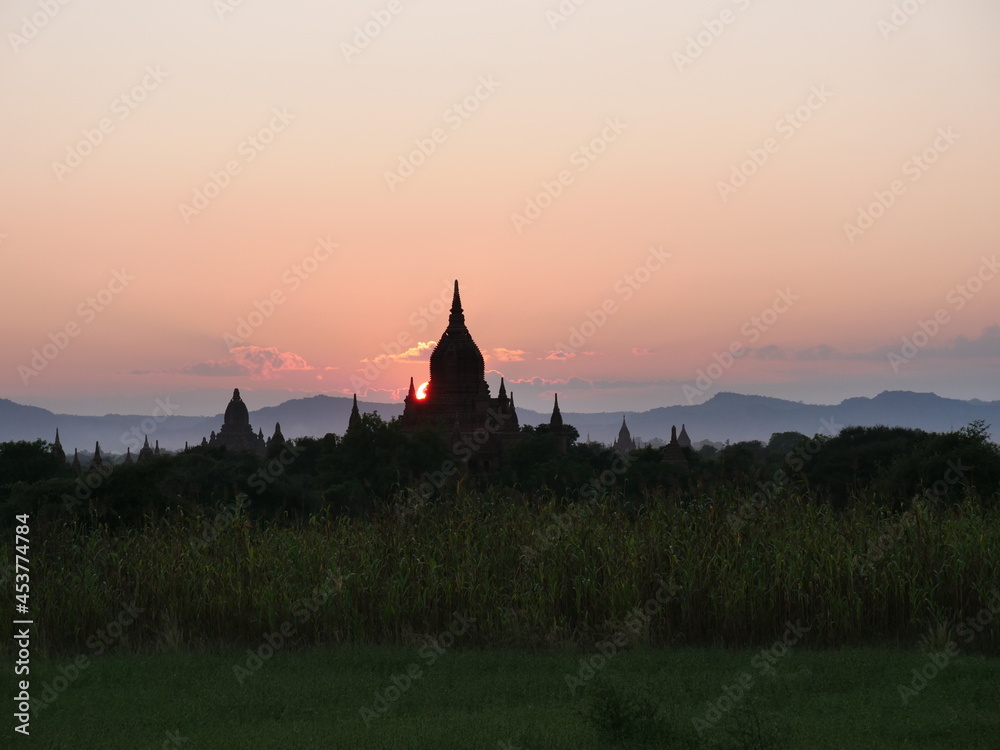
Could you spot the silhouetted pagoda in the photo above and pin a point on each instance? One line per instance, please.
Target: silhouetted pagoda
(682, 439)
(625, 443)
(145, 452)
(275, 443)
(355, 418)
(97, 462)
(673, 452)
(236, 433)
(457, 402)
(556, 426)
(57, 450)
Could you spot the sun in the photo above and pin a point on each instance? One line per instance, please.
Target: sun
(422, 391)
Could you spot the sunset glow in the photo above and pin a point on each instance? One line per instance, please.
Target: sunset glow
(422, 391)
(646, 203)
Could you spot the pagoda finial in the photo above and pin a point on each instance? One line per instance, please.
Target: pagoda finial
(457, 317)
(502, 393)
(556, 420)
(355, 417)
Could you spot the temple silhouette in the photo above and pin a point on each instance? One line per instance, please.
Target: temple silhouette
(456, 404)
(675, 452)
(624, 443)
(236, 433)
(457, 401)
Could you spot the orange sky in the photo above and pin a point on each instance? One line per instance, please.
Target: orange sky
(709, 171)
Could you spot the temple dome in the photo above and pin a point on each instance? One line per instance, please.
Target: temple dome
(457, 365)
(236, 413)
(236, 433)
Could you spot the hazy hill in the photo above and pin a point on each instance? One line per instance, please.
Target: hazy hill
(732, 416)
(726, 416)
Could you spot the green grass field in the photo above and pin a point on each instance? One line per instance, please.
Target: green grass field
(483, 623)
(534, 575)
(515, 699)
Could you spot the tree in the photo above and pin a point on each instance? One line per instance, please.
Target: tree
(24, 461)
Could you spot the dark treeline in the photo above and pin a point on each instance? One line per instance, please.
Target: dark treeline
(377, 463)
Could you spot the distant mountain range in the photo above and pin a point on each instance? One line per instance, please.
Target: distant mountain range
(726, 416)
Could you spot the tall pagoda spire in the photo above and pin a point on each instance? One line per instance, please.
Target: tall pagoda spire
(457, 317)
(625, 443)
(556, 426)
(556, 421)
(355, 417)
(57, 450)
(458, 370)
(145, 452)
(97, 462)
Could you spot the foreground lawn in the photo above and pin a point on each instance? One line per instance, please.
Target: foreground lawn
(511, 699)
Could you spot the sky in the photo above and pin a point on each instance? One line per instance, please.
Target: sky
(645, 203)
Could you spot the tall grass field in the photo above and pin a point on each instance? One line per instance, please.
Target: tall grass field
(538, 574)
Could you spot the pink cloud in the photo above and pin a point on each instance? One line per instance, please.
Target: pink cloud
(561, 355)
(509, 355)
(268, 362)
(411, 354)
(257, 362)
